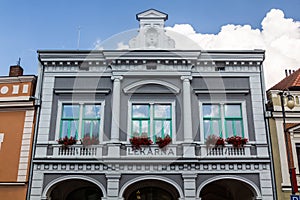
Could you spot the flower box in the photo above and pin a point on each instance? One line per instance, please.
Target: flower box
(87, 141)
(162, 142)
(215, 141)
(66, 141)
(237, 141)
(138, 141)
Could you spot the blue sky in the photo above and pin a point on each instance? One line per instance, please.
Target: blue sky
(26, 26)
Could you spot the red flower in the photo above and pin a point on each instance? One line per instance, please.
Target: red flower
(138, 141)
(87, 140)
(162, 142)
(214, 140)
(67, 141)
(237, 141)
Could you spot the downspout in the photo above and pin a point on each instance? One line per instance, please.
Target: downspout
(262, 80)
(38, 100)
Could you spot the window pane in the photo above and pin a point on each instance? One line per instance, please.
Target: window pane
(162, 111)
(229, 128)
(140, 111)
(92, 111)
(238, 128)
(71, 111)
(211, 110)
(158, 128)
(91, 128)
(167, 128)
(73, 128)
(64, 129)
(233, 110)
(136, 127)
(145, 127)
(206, 128)
(212, 127)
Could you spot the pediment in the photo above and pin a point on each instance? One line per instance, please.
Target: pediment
(152, 14)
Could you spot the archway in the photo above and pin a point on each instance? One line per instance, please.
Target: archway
(227, 189)
(151, 190)
(75, 189)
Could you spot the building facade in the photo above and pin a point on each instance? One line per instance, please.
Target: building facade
(291, 85)
(17, 117)
(109, 98)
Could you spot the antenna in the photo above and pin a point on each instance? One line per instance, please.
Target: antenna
(19, 62)
(78, 41)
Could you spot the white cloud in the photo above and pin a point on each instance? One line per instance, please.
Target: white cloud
(280, 37)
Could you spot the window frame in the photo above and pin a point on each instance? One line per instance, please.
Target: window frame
(223, 118)
(81, 117)
(152, 126)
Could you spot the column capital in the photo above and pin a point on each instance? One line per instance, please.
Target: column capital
(117, 78)
(186, 78)
(113, 176)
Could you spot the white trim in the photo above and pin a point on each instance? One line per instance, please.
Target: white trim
(25, 147)
(222, 177)
(48, 187)
(129, 88)
(15, 89)
(19, 98)
(151, 177)
(221, 91)
(244, 117)
(1, 139)
(81, 103)
(103, 91)
(25, 88)
(172, 102)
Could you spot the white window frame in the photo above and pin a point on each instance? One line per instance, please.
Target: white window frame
(244, 117)
(81, 103)
(172, 102)
(1, 139)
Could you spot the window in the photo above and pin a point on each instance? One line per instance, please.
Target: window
(151, 120)
(298, 154)
(79, 120)
(224, 120)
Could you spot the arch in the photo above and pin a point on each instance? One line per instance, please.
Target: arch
(145, 178)
(173, 88)
(231, 177)
(50, 185)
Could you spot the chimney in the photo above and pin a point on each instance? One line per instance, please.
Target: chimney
(15, 70)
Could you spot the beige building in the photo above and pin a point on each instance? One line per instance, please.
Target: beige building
(17, 117)
(290, 85)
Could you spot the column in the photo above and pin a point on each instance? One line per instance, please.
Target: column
(188, 147)
(189, 183)
(114, 146)
(116, 99)
(113, 185)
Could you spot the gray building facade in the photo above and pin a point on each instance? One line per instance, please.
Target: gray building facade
(150, 90)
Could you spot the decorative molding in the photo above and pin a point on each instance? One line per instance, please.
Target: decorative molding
(25, 147)
(130, 88)
(209, 91)
(77, 91)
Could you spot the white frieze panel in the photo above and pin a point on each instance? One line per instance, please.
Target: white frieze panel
(151, 151)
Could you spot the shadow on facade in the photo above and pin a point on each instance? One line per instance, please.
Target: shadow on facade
(75, 190)
(227, 189)
(151, 190)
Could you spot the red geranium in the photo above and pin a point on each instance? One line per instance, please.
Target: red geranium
(139, 141)
(65, 141)
(87, 140)
(162, 142)
(237, 141)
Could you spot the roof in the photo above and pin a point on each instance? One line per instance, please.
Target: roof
(291, 82)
